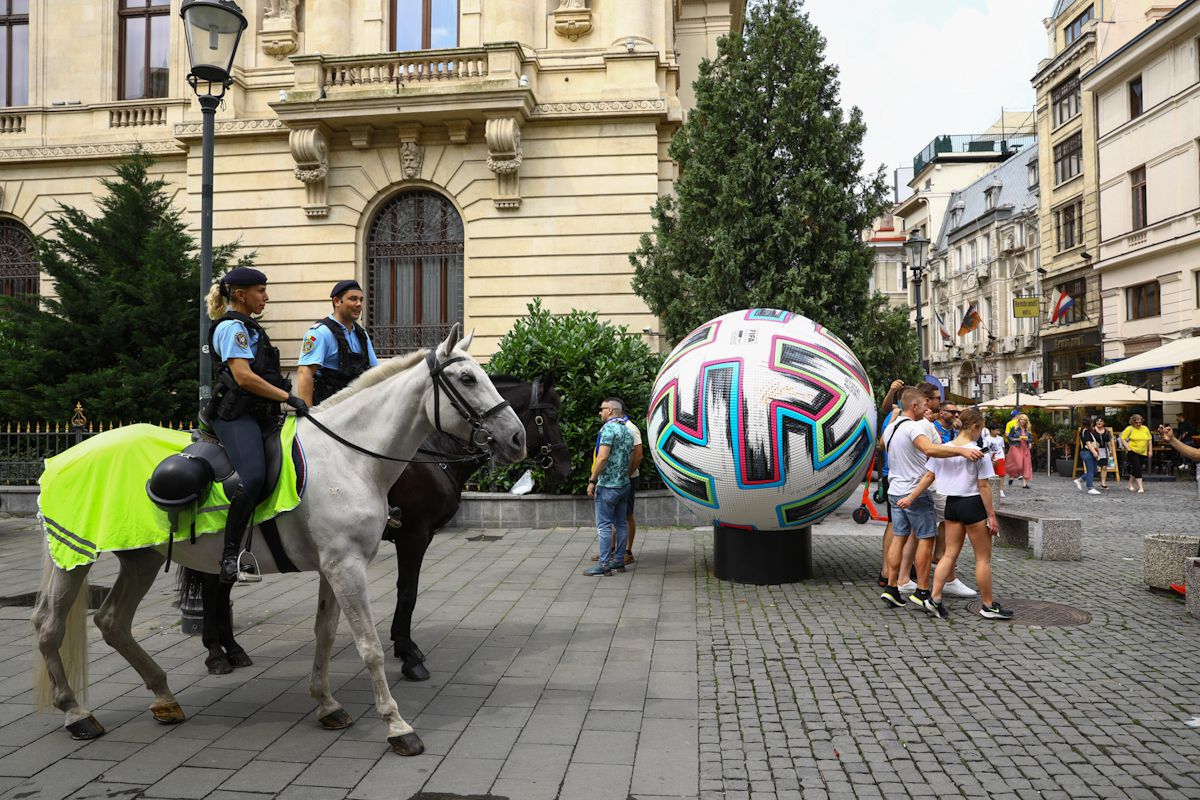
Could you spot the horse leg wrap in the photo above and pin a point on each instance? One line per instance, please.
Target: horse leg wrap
(336, 720)
(86, 728)
(408, 744)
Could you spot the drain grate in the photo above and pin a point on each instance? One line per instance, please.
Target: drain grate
(1039, 612)
(96, 595)
(483, 537)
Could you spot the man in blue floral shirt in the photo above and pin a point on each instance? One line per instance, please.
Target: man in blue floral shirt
(609, 485)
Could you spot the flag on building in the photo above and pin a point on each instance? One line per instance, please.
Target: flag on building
(970, 320)
(942, 329)
(1065, 301)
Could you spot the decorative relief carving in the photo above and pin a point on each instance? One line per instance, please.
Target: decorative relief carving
(84, 151)
(459, 130)
(279, 35)
(186, 129)
(601, 106)
(412, 157)
(572, 19)
(360, 136)
(503, 137)
(310, 151)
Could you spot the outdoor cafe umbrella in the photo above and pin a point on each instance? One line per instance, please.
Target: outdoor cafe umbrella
(1027, 400)
(1191, 395)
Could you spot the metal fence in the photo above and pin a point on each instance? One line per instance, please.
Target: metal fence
(25, 446)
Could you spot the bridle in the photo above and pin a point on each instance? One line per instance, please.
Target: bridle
(480, 438)
(539, 408)
(479, 435)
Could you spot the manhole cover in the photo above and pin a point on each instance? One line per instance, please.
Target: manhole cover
(1039, 612)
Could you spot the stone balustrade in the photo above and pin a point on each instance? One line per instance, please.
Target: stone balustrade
(404, 69)
(137, 116)
(12, 123)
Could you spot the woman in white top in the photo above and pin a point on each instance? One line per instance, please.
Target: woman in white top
(969, 513)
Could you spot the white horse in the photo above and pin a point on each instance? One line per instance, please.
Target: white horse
(334, 531)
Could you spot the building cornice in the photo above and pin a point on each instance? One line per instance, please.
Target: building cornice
(1135, 53)
(74, 152)
(1079, 48)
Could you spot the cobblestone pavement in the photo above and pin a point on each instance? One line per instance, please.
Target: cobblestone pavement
(661, 682)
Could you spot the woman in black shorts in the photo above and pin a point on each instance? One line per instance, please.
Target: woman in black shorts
(969, 513)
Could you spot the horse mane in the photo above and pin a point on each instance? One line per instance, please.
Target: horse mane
(373, 376)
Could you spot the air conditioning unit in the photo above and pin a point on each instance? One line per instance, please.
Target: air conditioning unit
(1026, 341)
(1007, 344)
(984, 271)
(953, 350)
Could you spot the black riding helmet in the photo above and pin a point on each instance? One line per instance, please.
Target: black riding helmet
(178, 481)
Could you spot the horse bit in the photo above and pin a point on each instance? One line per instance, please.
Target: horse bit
(546, 452)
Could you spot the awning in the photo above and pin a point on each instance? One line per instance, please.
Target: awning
(1116, 394)
(1027, 401)
(1171, 354)
(1191, 395)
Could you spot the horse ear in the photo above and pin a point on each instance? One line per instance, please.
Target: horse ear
(549, 379)
(465, 344)
(445, 348)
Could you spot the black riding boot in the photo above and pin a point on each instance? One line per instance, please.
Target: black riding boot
(241, 506)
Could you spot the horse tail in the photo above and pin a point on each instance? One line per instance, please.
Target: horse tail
(74, 648)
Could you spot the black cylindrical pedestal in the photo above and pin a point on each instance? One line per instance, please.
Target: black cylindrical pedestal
(762, 557)
(191, 602)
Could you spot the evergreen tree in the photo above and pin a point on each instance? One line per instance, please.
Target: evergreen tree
(771, 201)
(119, 332)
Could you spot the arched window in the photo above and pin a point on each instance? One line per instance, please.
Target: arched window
(18, 260)
(414, 272)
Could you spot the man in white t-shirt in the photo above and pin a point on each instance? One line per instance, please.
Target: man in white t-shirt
(909, 442)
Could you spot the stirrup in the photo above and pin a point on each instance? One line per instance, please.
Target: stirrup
(248, 572)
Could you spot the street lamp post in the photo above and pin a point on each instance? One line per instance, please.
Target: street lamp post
(213, 29)
(914, 249)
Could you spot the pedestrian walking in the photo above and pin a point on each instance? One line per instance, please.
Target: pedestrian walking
(1137, 440)
(909, 447)
(1184, 432)
(1089, 453)
(995, 443)
(609, 485)
(969, 513)
(1019, 461)
(1104, 450)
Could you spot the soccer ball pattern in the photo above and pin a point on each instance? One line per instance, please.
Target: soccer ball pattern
(762, 419)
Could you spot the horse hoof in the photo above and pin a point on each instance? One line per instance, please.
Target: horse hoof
(415, 671)
(168, 714)
(336, 720)
(407, 745)
(240, 659)
(218, 666)
(86, 728)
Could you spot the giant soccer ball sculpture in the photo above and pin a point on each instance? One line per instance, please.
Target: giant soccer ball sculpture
(762, 420)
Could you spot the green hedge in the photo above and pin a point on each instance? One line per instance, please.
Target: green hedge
(590, 360)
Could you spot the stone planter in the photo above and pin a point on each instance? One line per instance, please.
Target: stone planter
(1165, 557)
(1192, 566)
(1063, 466)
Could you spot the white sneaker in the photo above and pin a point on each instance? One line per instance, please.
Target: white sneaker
(1078, 484)
(1002, 494)
(909, 587)
(1093, 491)
(957, 588)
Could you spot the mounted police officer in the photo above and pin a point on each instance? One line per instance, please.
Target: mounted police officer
(248, 387)
(336, 349)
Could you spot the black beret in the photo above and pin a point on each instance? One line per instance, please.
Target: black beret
(243, 276)
(342, 287)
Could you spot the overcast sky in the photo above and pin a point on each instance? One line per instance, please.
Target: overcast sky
(925, 68)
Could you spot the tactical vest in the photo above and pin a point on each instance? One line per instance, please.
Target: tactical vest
(350, 364)
(229, 400)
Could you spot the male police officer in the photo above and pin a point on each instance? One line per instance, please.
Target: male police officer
(336, 349)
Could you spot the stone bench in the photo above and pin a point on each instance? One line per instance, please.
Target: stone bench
(1050, 539)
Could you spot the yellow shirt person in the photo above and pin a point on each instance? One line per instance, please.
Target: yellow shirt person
(1138, 439)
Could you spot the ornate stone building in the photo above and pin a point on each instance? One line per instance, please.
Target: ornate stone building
(458, 157)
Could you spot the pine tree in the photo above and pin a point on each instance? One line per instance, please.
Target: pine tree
(119, 332)
(771, 201)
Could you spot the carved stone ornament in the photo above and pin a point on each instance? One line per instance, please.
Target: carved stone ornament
(310, 150)
(572, 19)
(503, 137)
(279, 35)
(412, 157)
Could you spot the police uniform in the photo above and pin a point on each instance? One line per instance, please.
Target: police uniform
(340, 354)
(241, 418)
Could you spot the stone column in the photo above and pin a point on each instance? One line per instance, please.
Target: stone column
(634, 21)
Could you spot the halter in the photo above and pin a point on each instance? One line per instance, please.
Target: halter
(479, 435)
(538, 407)
(442, 383)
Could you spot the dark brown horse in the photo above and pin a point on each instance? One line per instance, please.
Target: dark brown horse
(428, 494)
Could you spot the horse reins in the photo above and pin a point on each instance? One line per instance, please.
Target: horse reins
(440, 383)
(539, 408)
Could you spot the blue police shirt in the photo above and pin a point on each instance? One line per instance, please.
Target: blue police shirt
(320, 347)
(232, 340)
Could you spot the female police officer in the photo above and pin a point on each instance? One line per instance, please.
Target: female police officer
(247, 390)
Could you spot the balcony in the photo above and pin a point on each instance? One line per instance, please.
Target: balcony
(996, 146)
(460, 79)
